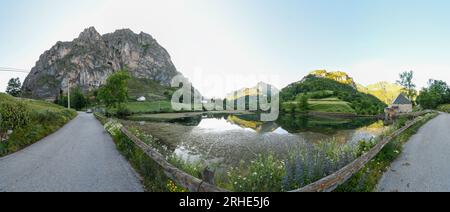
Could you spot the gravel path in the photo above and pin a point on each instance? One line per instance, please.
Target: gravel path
(80, 157)
(424, 165)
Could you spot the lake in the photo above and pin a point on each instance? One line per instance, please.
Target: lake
(229, 139)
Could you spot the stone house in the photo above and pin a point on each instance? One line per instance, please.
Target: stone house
(403, 104)
(400, 105)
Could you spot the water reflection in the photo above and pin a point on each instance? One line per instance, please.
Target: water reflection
(286, 124)
(228, 139)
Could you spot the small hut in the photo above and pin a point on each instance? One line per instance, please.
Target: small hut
(400, 105)
(403, 104)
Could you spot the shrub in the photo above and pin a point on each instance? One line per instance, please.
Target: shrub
(123, 111)
(13, 116)
(263, 175)
(154, 178)
(45, 116)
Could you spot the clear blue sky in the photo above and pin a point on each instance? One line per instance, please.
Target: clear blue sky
(373, 40)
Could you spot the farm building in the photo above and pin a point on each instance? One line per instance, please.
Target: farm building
(400, 105)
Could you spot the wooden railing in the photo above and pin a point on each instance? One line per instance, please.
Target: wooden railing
(331, 182)
(326, 184)
(180, 177)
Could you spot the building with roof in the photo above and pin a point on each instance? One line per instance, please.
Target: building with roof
(403, 104)
(400, 105)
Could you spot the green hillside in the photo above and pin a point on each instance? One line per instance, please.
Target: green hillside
(150, 89)
(346, 99)
(385, 91)
(338, 76)
(30, 120)
(326, 105)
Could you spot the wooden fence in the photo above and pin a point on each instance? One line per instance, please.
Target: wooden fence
(331, 182)
(326, 184)
(180, 177)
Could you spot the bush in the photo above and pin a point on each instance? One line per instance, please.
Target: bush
(123, 112)
(45, 117)
(444, 108)
(13, 116)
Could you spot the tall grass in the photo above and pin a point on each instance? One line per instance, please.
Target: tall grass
(43, 119)
(444, 108)
(302, 165)
(367, 179)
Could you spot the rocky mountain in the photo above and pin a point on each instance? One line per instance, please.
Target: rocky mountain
(337, 76)
(244, 92)
(88, 60)
(385, 91)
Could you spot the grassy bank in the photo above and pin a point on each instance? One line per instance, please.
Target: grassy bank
(299, 167)
(444, 108)
(367, 179)
(152, 175)
(303, 165)
(30, 121)
(149, 107)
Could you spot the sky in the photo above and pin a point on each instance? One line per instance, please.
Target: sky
(279, 41)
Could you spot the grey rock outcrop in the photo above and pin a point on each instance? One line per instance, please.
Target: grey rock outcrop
(91, 58)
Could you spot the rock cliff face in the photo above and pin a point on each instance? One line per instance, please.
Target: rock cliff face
(91, 58)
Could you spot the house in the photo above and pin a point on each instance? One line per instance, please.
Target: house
(402, 104)
(142, 99)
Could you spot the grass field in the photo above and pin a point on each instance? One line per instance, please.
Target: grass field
(150, 107)
(326, 105)
(330, 105)
(44, 119)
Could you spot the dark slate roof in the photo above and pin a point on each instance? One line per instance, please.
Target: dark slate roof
(402, 100)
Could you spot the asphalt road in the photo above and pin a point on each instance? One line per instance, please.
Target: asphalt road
(80, 157)
(424, 166)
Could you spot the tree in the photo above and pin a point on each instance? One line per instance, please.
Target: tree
(437, 93)
(14, 87)
(303, 104)
(115, 91)
(77, 99)
(409, 88)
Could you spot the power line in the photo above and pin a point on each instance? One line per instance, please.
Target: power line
(16, 70)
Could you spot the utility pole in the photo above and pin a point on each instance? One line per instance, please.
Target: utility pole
(68, 95)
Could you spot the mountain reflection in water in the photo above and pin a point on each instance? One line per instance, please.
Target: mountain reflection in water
(229, 139)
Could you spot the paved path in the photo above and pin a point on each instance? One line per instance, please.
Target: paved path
(424, 166)
(80, 157)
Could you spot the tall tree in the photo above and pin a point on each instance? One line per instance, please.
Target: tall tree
(437, 93)
(14, 87)
(77, 98)
(303, 104)
(409, 88)
(115, 91)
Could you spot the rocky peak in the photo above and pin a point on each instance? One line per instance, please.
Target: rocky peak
(90, 34)
(91, 58)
